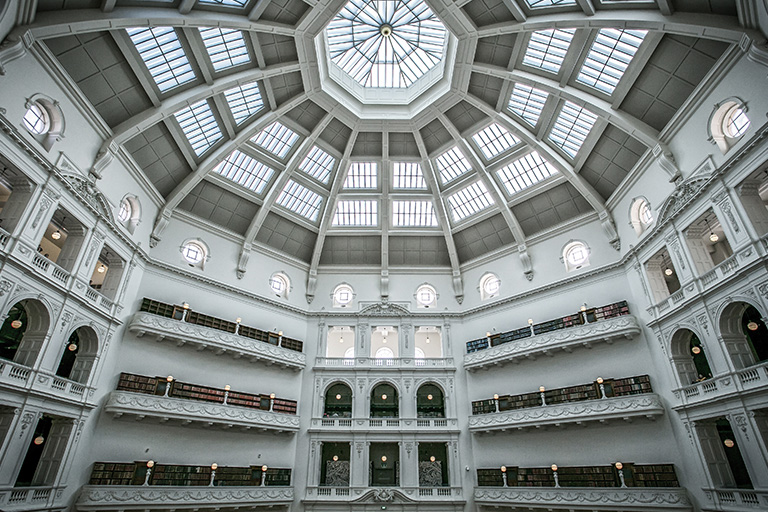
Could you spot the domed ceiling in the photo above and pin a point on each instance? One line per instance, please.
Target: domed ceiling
(386, 133)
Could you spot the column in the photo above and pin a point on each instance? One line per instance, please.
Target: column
(20, 436)
(40, 217)
(407, 342)
(409, 463)
(17, 206)
(359, 464)
(726, 214)
(748, 441)
(363, 343)
(679, 260)
(314, 462)
(76, 235)
(753, 207)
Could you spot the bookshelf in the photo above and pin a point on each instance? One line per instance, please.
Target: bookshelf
(116, 473)
(613, 387)
(494, 477)
(572, 320)
(635, 475)
(134, 473)
(193, 317)
(137, 383)
(534, 477)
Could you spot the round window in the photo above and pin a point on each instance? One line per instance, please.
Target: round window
(736, 122)
(279, 284)
(491, 285)
(125, 211)
(426, 295)
(343, 295)
(646, 217)
(36, 119)
(577, 254)
(193, 253)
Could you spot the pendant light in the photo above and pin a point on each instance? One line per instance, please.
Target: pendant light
(712, 235)
(668, 270)
(56, 235)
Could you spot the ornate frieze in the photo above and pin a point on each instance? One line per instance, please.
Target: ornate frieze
(138, 405)
(623, 408)
(639, 498)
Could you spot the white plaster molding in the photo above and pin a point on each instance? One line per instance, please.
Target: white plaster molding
(564, 339)
(647, 405)
(120, 497)
(218, 341)
(388, 425)
(137, 405)
(637, 498)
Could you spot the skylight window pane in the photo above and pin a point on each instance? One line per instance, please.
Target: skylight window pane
(318, 164)
(524, 172)
(549, 3)
(226, 3)
(161, 51)
(356, 213)
(609, 58)
(469, 201)
(572, 127)
(299, 199)
(413, 214)
(408, 175)
(245, 171)
(226, 47)
(276, 138)
(362, 175)
(547, 48)
(452, 164)
(494, 140)
(199, 125)
(527, 103)
(244, 101)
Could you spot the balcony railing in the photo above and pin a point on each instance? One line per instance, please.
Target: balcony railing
(99, 498)
(385, 494)
(723, 385)
(585, 498)
(385, 424)
(20, 377)
(29, 498)
(738, 500)
(356, 363)
(550, 343)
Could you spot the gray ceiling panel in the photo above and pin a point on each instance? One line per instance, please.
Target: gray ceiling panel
(159, 157)
(495, 50)
(287, 12)
(551, 207)
(463, 116)
(307, 115)
(286, 86)
(482, 238)
(288, 237)
(337, 135)
(368, 144)
(277, 48)
(219, 206)
(419, 251)
(351, 250)
(435, 135)
(727, 7)
(613, 156)
(403, 144)
(488, 12)
(486, 88)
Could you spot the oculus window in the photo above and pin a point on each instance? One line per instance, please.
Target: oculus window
(36, 119)
(343, 296)
(386, 43)
(728, 123)
(195, 253)
(280, 284)
(575, 255)
(489, 286)
(426, 296)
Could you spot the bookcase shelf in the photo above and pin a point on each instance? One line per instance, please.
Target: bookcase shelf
(635, 475)
(134, 473)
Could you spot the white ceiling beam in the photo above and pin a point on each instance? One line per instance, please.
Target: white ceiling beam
(665, 6)
(587, 6)
(185, 6)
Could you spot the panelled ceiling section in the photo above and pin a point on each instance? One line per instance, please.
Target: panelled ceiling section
(520, 145)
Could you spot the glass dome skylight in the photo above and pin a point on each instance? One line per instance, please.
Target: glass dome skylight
(386, 43)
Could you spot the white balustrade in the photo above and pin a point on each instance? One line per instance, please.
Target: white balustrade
(28, 498)
(383, 363)
(739, 499)
(397, 493)
(747, 379)
(402, 424)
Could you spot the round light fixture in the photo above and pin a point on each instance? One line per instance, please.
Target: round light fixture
(668, 271)
(16, 324)
(272, 396)
(530, 321)
(752, 326)
(429, 397)
(386, 30)
(383, 458)
(335, 458)
(338, 396)
(554, 467)
(341, 339)
(432, 458)
(503, 469)
(169, 378)
(713, 237)
(56, 235)
(696, 350)
(239, 320)
(729, 443)
(427, 339)
(150, 464)
(264, 468)
(619, 465)
(384, 396)
(214, 466)
(101, 269)
(600, 380)
(72, 347)
(541, 389)
(39, 440)
(227, 387)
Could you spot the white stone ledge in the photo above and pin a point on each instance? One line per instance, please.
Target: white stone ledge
(197, 413)
(626, 408)
(384, 495)
(219, 342)
(586, 498)
(737, 500)
(127, 497)
(388, 425)
(13, 499)
(566, 340)
(752, 380)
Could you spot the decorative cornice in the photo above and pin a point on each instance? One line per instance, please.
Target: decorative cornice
(637, 498)
(193, 412)
(564, 339)
(648, 405)
(389, 309)
(220, 342)
(119, 497)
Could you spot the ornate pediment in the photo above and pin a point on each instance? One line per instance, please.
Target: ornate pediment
(682, 195)
(385, 309)
(87, 191)
(384, 495)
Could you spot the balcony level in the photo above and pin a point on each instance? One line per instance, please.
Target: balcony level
(606, 324)
(181, 325)
(146, 485)
(422, 499)
(379, 363)
(625, 487)
(23, 379)
(17, 499)
(602, 401)
(388, 425)
(736, 500)
(140, 397)
(748, 381)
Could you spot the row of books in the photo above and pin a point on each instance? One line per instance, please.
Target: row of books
(590, 315)
(635, 475)
(135, 473)
(178, 389)
(193, 317)
(612, 387)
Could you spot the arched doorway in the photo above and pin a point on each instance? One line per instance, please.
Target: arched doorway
(430, 402)
(384, 401)
(689, 357)
(338, 401)
(79, 355)
(23, 331)
(744, 334)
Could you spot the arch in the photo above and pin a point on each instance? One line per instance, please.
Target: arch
(79, 355)
(384, 400)
(640, 215)
(728, 123)
(44, 120)
(430, 401)
(490, 285)
(129, 212)
(338, 401)
(745, 345)
(689, 357)
(575, 255)
(24, 331)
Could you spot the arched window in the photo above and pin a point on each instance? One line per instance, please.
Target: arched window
(689, 357)
(43, 120)
(26, 323)
(640, 215)
(349, 356)
(426, 296)
(728, 123)
(343, 296)
(195, 253)
(79, 355)
(280, 284)
(384, 402)
(575, 255)
(338, 401)
(384, 353)
(430, 402)
(129, 213)
(489, 286)
(420, 356)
